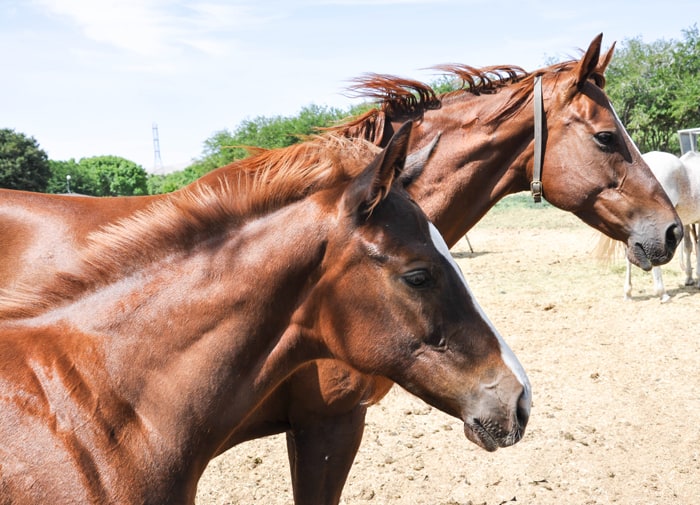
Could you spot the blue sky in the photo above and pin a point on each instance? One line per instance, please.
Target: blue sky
(88, 78)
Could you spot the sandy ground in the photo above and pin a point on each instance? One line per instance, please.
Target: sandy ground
(616, 390)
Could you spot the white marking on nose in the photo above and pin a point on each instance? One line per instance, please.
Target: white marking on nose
(507, 354)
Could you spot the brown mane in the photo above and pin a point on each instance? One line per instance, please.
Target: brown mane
(194, 215)
(400, 99)
(267, 180)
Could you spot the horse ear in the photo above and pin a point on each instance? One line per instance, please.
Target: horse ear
(603, 63)
(415, 162)
(374, 183)
(605, 59)
(589, 63)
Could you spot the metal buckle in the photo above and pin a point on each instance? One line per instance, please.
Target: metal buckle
(536, 189)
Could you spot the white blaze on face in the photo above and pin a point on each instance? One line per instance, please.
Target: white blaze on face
(507, 354)
(624, 130)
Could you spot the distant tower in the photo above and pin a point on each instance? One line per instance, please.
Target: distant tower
(157, 162)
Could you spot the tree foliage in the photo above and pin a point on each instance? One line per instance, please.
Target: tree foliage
(23, 165)
(116, 176)
(655, 88)
(227, 146)
(98, 176)
(170, 182)
(68, 176)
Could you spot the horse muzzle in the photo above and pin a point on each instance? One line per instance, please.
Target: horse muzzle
(647, 253)
(499, 425)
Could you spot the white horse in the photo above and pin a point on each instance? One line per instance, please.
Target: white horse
(680, 178)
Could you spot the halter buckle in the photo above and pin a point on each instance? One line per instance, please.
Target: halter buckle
(536, 184)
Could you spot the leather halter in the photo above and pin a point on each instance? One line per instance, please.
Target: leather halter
(536, 184)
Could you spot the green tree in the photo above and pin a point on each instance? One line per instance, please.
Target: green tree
(227, 146)
(445, 84)
(655, 87)
(269, 133)
(170, 182)
(23, 165)
(686, 64)
(71, 176)
(115, 176)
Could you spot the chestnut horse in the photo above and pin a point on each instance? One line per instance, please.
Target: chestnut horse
(481, 142)
(122, 378)
(487, 149)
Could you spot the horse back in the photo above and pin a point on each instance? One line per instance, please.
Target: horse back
(39, 233)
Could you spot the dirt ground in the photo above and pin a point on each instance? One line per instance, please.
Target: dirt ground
(616, 390)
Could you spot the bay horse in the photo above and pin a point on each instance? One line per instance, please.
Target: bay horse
(122, 377)
(680, 178)
(473, 147)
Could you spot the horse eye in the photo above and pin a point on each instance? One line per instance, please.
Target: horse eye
(417, 278)
(605, 139)
(438, 341)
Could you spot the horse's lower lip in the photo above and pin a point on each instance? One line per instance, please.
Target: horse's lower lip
(476, 432)
(640, 255)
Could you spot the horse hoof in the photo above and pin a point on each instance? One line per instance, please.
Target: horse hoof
(665, 298)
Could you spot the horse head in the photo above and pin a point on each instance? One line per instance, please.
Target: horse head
(427, 333)
(592, 167)
(573, 150)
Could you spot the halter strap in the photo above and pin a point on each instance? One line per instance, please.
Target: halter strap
(536, 184)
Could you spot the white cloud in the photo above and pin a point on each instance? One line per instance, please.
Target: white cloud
(157, 27)
(387, 2)
(130, 25)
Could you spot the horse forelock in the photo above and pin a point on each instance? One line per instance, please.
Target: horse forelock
(192, 216)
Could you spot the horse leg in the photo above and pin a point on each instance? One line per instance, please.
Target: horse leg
(696, 241)
(327, 406)
(322, 408)
(686, 258)
(321, 453)
(659, 289)
(628, 281)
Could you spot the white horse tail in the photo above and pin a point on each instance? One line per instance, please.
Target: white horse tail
(608, 250)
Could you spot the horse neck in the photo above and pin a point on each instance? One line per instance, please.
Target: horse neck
(476, 162)
(195, 342)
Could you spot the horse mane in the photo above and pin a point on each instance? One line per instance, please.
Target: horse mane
(194, 216)
(398, 96)
(400, 99)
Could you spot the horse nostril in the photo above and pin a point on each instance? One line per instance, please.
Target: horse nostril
(674, 235)
(523, 411)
